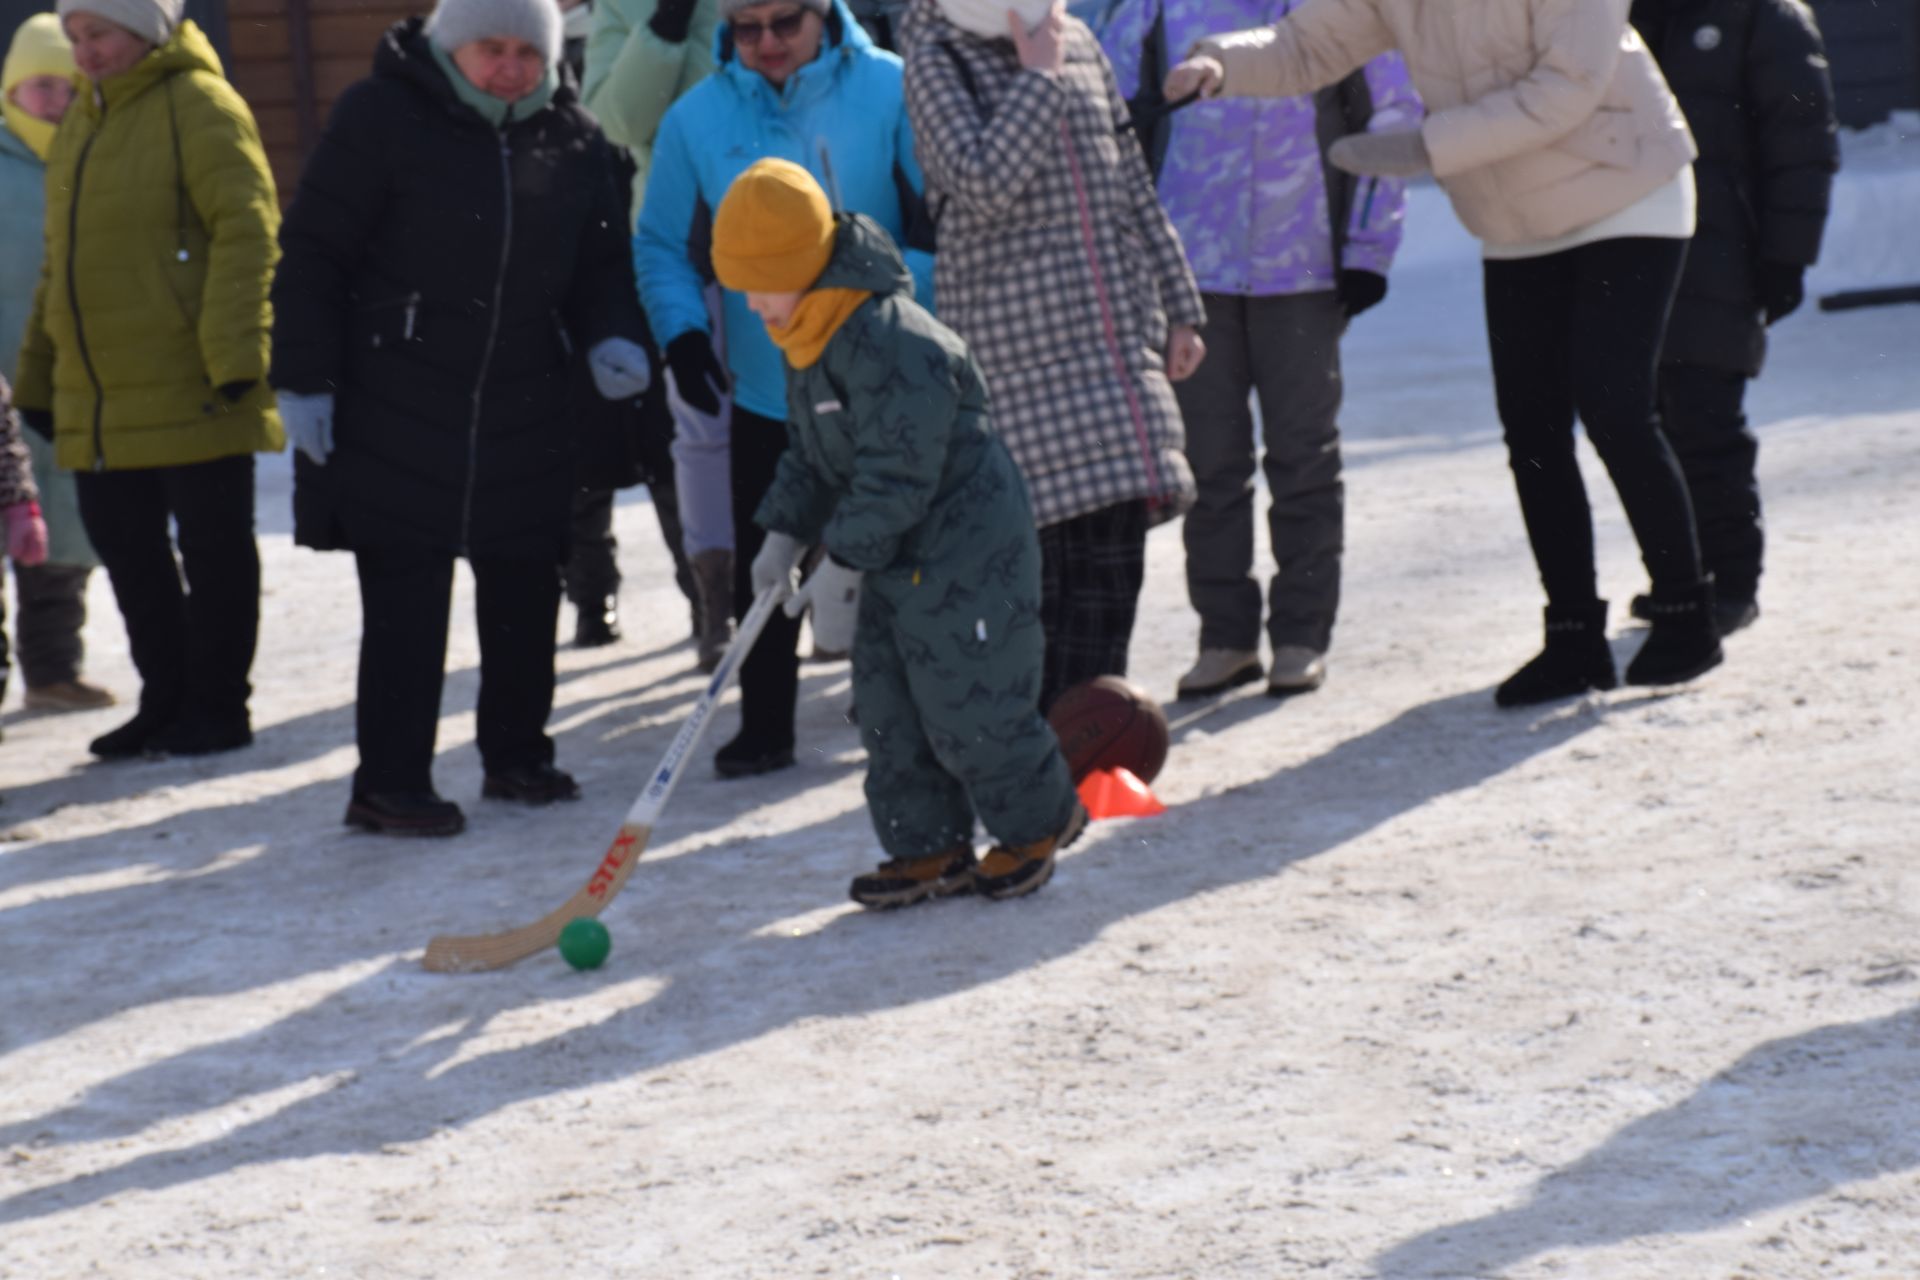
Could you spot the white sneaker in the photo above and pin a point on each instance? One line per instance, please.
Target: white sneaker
(1218, 670)
(1296, 669)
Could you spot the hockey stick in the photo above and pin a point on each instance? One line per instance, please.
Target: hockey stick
(482, 951)
(1854, 299)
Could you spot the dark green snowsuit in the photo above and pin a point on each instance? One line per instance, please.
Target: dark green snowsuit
(892, 463)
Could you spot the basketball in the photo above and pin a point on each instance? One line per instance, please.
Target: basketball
(1110, 723)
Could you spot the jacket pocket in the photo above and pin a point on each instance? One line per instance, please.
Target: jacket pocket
(1607, 137)
(389, 321)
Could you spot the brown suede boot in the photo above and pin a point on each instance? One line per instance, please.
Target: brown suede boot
(901, 882)
(713, 584)
(1017, 870)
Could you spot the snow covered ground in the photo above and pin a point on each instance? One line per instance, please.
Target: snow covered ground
(1402, 986)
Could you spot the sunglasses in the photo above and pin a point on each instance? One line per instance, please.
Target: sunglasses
(783, 28)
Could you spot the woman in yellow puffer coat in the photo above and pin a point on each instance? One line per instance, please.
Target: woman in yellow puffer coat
(148, 350)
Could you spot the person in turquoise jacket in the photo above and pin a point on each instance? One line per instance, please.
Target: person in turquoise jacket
(36, 87)
(932, 574)
(797, 80)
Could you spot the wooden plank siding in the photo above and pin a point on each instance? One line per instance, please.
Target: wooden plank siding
(339, 38)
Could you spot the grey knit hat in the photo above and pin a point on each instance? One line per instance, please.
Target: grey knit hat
(152, 20)
(730, 7)
(457, 22)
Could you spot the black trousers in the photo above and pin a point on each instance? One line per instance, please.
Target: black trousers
(48, 624)
(770, 677)
(1091, 571)
(405, 597)
(192, 645)
(1578, 333)
(1704, 414)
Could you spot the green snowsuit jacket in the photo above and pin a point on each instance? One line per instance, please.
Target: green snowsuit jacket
(892, 463)
(633, 76)
(161, 219)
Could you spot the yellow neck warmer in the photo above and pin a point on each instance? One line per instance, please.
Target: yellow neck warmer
(35, 132)
(814, 322)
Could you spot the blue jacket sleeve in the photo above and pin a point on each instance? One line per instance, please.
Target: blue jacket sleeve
(1124, 39)
(1380, 204)
(672, 287)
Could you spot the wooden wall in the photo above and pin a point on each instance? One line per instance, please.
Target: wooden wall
(292, 58)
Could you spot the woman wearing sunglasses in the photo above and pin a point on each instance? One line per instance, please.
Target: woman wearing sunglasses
(798, 81)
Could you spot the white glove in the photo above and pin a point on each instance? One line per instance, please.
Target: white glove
(309, 422)
(773, 566)
(833, 592)
(620, 369)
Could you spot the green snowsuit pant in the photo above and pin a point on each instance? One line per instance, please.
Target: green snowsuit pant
(946, 679)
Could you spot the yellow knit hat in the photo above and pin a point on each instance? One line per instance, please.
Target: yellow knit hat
(39, 48)
(773, 233)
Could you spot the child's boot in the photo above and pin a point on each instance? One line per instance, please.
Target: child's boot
(1015, 871)
(1683, 641)
(901, 882)
(1576, 658)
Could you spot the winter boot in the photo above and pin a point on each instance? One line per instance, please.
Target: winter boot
(1576, 658)
(405, 813)
(1014, 872)
(1296, 669)
(901, 882)
(597, 623)
(713, 583)
(204, 735)
(531, 784)
(1218, 670)
(1682, 638)
(133, 739)
(752, 753)
(67, 695)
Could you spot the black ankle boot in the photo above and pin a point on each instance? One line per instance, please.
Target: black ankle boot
(597, 624)
(1683, 640)
(1576, 659)
(753, 752)
(133, 739)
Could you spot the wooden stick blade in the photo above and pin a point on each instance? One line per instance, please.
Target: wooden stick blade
(481, 952)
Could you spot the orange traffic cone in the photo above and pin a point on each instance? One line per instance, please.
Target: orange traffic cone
(1116, 793)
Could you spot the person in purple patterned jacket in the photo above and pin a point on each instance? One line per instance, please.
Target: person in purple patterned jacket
(1247, 184)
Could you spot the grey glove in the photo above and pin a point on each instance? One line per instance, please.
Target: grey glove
(620, 369)
(1382, 155)
(773, 566)
(833, 593)
(309, 423)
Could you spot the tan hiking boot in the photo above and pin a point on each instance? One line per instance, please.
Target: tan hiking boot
(1219, 670)
(1295, 669)
(68, 695)
(1017, 870)
(901, 882)
(713, 584)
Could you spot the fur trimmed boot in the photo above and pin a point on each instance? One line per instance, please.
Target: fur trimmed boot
(1576, 659)
(713, 584)
(1683, 638)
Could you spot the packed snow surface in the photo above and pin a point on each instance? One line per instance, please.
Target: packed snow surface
(1401, 986)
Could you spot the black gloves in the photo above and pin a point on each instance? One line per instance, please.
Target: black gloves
(1782, 288)
(1358, 290)
(38, 421)
(671, 18)
(697, 374)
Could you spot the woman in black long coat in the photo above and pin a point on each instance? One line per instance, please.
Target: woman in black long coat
(456, 235)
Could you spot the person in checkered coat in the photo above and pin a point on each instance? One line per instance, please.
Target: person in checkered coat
(1061, 271)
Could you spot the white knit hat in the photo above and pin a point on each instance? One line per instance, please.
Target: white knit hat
(152, 20)
(988, 18)
(457, 22)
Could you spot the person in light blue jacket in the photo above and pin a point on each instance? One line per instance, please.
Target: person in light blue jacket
(796, 80)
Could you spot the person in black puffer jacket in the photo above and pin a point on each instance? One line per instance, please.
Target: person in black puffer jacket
(1752, 77)
(456, 236)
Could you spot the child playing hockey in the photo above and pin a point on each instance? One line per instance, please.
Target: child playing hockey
(933, 570)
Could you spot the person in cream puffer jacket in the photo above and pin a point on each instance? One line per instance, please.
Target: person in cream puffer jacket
(1562, 148)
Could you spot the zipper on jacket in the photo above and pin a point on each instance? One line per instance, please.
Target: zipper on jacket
(73, 290)
(486, 352)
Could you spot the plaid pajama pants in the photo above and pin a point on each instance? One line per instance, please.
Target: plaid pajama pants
(1091, 571)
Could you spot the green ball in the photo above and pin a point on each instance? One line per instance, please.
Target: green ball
(584, 943)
